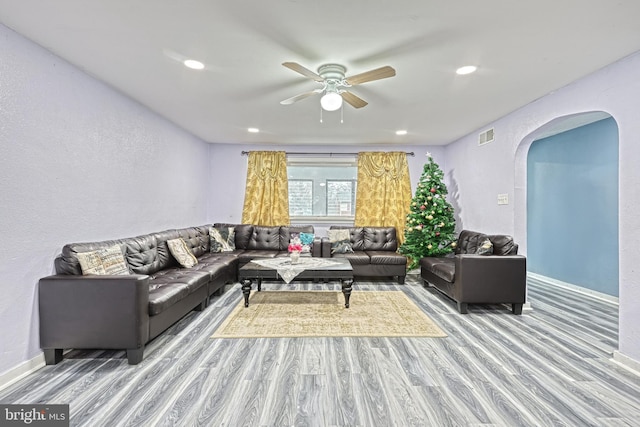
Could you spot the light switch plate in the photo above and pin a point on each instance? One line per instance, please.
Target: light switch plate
(503, 199)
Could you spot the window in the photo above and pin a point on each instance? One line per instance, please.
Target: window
(322, 188)
(341, 197)
(300, 197)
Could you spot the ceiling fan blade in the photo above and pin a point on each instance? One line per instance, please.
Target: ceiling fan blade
(302, 70)
(367, 76)
(353, 100)
(297, 98)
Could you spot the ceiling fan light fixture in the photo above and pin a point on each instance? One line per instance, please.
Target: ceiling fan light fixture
(467, 69)
(331, 101)
(193, 64)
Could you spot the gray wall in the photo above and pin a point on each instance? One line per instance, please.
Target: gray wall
(78, 162)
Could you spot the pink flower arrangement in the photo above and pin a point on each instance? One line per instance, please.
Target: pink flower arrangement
(295, 247)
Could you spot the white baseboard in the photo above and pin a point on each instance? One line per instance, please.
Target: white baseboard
(555, 282)
(21, 371)
(626, 362)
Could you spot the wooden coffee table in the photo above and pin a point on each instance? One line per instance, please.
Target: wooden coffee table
(341, 271)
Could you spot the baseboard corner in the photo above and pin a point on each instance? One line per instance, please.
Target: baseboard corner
(22, 370)
(626, 362)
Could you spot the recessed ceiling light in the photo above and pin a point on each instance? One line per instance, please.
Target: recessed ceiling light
(401, 132)
(253, 130)
(467, 69)
(193, 64)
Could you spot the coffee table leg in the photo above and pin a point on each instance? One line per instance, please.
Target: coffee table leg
(259, 285)
(346, 290)
(246, 290)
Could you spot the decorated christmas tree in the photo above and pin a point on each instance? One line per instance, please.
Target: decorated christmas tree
(430, 222)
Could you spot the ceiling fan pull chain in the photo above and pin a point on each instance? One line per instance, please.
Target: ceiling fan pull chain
(320, 114)
(342, 113)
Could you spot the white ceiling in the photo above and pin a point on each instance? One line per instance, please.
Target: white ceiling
(523, 51)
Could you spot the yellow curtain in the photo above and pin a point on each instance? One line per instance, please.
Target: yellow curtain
(383, 197)
(266, 197)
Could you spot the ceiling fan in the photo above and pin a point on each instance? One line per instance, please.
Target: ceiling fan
(335, 84)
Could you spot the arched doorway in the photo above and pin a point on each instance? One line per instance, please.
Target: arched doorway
(567, 172)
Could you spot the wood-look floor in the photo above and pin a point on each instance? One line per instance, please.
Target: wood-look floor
(549, 367)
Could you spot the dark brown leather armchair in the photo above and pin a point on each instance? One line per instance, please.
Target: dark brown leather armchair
(479, 273)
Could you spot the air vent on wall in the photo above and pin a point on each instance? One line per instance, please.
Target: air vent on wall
(486, 137)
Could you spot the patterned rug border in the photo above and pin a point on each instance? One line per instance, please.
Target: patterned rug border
(401, 316)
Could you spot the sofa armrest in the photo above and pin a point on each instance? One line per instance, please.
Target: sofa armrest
(94, 311)
(326, 248)
(481, 278)
(316, 248)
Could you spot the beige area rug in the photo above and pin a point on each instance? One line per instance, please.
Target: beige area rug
(281, 314)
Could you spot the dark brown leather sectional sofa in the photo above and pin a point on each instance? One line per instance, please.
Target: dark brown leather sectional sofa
(470, 278)
(127, 311)
(374, 252)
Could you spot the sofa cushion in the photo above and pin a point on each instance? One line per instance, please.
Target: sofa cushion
(246, 256)
(243, 234)
(167, 287)
(265, 238)
(503, 245)
(164, 295)
(165, 259)
(441, 267)
(469, 241)
(216, 264)
(380, 239)
(355, 258)
(386, 258)
(142, 254)
(182, 253)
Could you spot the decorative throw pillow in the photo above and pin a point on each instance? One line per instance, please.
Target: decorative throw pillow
(113, 260)
(91, 264)
(295, 238)
(340, 240)
(222, 239)
(182, 253)
(485, 248)
(306, 239)
(106, 261)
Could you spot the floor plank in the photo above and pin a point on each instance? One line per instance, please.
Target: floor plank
(549, 366)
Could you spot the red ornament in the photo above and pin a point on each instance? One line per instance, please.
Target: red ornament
(433, 190)
(423, 207)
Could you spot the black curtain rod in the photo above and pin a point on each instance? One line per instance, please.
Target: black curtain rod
(246, 153)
